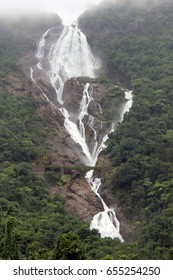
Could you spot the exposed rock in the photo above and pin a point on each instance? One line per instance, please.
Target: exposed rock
(81, 201)
(93, 108)
(63, 151)
(44, 84)
(72, 95)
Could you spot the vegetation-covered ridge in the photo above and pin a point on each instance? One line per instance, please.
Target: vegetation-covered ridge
(137, 46)
(33, 224)
(137, 43)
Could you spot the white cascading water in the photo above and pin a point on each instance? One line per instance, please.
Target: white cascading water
(41, 48)
(71, 57)
(106, 221)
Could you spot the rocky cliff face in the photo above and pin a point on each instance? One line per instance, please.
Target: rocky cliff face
(63, 151)
(73, 94)
(81, 201)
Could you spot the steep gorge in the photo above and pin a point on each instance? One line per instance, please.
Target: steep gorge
(105, 108)
(38, 155)
(70, 57)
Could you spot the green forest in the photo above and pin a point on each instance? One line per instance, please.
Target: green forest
(139, 50)
(136, 45)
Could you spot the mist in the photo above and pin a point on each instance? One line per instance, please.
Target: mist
(68, 10)
(136, 2)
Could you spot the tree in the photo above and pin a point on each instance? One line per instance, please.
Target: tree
(68, 247)
(11, 249)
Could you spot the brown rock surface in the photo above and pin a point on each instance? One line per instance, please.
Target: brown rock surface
(62, 149)
(72, 96)
(81, 201)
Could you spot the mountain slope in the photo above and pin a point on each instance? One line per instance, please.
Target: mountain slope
(137, 46)
(34, 198)
(30, 218)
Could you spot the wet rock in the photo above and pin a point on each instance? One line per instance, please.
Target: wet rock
(72, 95)
(44, 83)
(81, 201)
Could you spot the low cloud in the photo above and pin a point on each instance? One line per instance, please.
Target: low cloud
(68, 10)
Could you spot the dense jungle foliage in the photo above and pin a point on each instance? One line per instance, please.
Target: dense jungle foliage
(33, 225)
(137, 45)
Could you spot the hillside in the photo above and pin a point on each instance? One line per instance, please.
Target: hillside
(30, 219)
(44, 214)
(137, 46)
(37, 205)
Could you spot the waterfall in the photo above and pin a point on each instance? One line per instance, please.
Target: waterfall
(71, 57)
(106, 221)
